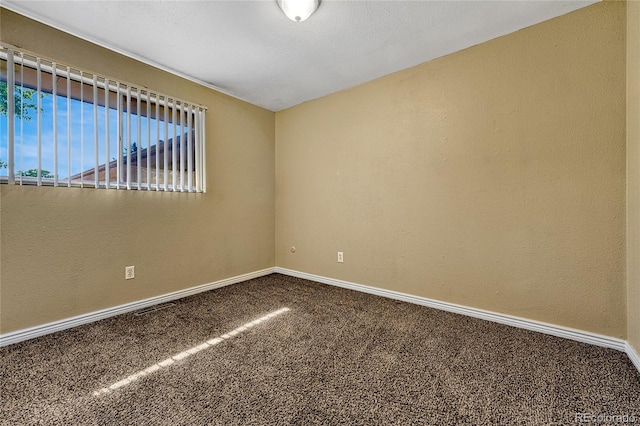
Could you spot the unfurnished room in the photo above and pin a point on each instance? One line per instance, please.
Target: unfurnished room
(319, 212)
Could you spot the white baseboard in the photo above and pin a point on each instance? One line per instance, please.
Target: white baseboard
(52, 327)
(554, 330)
(633, 356)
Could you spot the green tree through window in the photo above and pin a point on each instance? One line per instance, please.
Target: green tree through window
(26, 103)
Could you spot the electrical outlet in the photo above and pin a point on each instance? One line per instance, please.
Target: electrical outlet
(129, 272)
(340, 257)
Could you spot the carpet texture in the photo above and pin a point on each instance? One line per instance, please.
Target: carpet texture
(325, 356)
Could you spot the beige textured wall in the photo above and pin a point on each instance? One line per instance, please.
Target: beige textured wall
(493, 177)
(633, 173)
(63, 251)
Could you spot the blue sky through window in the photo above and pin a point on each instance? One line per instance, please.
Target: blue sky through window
(82, 136)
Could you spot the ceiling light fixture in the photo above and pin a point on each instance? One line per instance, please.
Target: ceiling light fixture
(298, 10)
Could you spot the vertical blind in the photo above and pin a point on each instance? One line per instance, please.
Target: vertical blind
(62, 126)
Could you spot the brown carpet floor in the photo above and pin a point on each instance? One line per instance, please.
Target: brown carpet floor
(335, 357)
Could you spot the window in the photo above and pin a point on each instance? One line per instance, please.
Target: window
(61, 126)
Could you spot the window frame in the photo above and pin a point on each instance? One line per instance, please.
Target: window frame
(168, 112)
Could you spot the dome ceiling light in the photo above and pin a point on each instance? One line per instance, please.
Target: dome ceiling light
(298, 10)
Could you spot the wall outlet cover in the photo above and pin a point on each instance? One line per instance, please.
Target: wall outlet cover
(129, 272)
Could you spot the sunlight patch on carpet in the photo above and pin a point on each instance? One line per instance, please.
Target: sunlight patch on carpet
(187, 353)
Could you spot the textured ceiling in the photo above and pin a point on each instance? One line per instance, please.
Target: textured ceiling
(250, 50)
